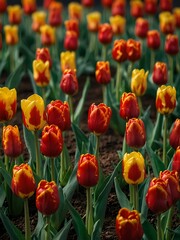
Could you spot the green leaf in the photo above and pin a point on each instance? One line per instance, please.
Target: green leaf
(3, 61)
(78, 223)
(144, 186)
(96, 231)
(63, 233)
(2, 195)
(36, 89)
(13, 232)
(149, 230)
(156, 133)
(149, 126)
(5, 174)
(39, 227)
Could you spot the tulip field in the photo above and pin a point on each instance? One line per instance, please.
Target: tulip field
(90, 120)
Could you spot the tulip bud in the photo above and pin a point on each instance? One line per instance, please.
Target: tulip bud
(3, 6)
(11, 34)
(93, 21)
(58, 113)
(165, 5)
(71, 41)
(153, 39)
(105, 33)
(172, 44)
(176, 13)
(87, 3)
(119, 52)
(67, 60)
(135, 133)
(44, 55)
(141, 27)
(133, 168)
(48, 37)
(38, 20)
(128, 225)
(166, 99)
(150, 6)
(46, 3)
(136, 8)
(158, 189)
(118, 8)
(72, 25)
(174, 137)
(55, 12)
(103, 74)
(87, 171)
(69, 82)
(160, 73)
(118, 24)
(23, 182)
(29, 6)
(75, 10)
(139, 81)
(14, 14)
(11, 141)
(129, 107)
(167, 22)
(47, 197)
(41, 73)
(99, 118)
(8, 103)
(133, 49)
(176, 161)
(106, 3)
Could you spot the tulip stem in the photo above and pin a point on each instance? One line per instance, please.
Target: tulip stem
(27, 222)
(70, 101)
(135, 196)
(171, 67)
(6, 158)
(152, 60)
(47, 234)
(63, 168)
(52, 170)
(169, 223)
(104, 90)
(118, 80)
(97, 156)
(38, 169)
(140, 105)
(159, 229)
(165, 141)
(44, 95)
(104, 52)
(89, 211)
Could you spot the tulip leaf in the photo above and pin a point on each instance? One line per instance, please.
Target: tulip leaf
(148, 123)
(36, 89)
(96, 231)
(13, 232)
(78, 223)
(3, 61)
(63, 233)
(5, 174)
(29, 55)
(2, 195)
(39, 227)
(143, 189)
(122, 198)
(149, 230)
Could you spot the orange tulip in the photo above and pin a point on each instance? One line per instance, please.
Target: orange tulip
(176, 13)
(11, 34)
(55, 14)
(103, 73)
(167, 22)
(14, 14)
(93, 21)
(29, 6)
(48, 37)
(44, 55)
(38, 20)
(133, 49)
(141, 27)
(119, 52)
(136, 8)
(75, 10)
(72, 25)
(105, 33)
(118, 7)
(118, 24)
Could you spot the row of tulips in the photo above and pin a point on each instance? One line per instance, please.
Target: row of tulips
(49, 171)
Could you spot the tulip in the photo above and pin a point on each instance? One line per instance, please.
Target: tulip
(119, 52)
(105, 33)
(141, 27)
(167, 22)
(75, 10)
(136, 8)
(172, 44)
(72, 25)
(106, 3)
(118, 7)
(69, 82)
(38, 20)
(11, 141)
(153, 39)
(71, 41)
(41, 73)
(174, 137)
(176, 161)
(165, 5)
(118, 24)
(150, 6)
(99, 118)
(103, 73)
(129, 107)
(14, 14)
(55, 12)
(128, 225)
(160, 73)
(176, 13)
(44, 55)
(93, 21)
(58, 113)
(139, 82)
(133, 49)
(51, 141)
(135, 133)
(11, 35)
(87, 3)
(3, 6)
(67, 60)
(29, 6)
(46, 3)
(47, 35)
(47, 197)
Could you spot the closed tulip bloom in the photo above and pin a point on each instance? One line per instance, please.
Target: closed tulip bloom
(133, 168)
(55, 14)
(38, 20)
(72, 25)
(139, 81)
(87, 3)
(166, 99)
(14, 14)
(51, 144)
(118, 7)
(118, 24)
(69, 83)
(172, 44)
(135, 133)
(41, 73)
(158, 197)
(93, 21)
(172, 179)
(160, 73)
(136, 8)
(141, 27)
(29, 6)
(167, 22)
(99, 117)
(58, 113)
(166, 5)
(174, 137)
(150, 6)
(128, 225)
(48, 37)
(103, 73)
(44, 55)
(3, 6)
(176, 161)
(133, 49)
(67, 60)
(105, 33)
(46, 3)
(107, 3)
(11, 141)
(153, 39)
(11, 35)
(8, 103)
(176, 13)
(87, 171)
(33, 112)
(75, 10)
(129, 107)
(23, 183)
(71, 41)
(47, 197)
(119, 52)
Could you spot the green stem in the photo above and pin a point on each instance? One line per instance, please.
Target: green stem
(135, 196)
(129, 74)
(131, 195)
(118, 80)
(12, 58)
(104, 90)
(159, 229)
(47, 234)
(6, 158)
(70, 101)
(43, 94)
(171, 67)
(38, 169)
(89, 211)
(165, 141)
(63, 168)
(140, 105)
(97, 156)
(52, 170)
(152, 61)
(27, 221)
(169, 223)
(104, 52)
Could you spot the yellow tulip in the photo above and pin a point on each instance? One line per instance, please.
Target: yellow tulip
(139, 82)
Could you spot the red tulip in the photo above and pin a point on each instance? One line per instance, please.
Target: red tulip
(118, 7)
(136, 9)
(71, 41)
(160, 73)
(103, 74)
(176, 161)
(166, 5)
(105, 33)
(43, 54)
(150, 6)
(172, 44)
(153, 39)
(55, 14)
(69, 82)
(133, 49)
(119, 52)
(174, 136)
(141, 27)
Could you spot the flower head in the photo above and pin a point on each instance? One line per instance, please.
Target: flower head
(118, 7)
(38, 20)
(69, 83)
(105, 33)
(172, 44)
(160, 73)
(11, 34)
(141, 27)
(75, 10)
(133, 49)
(119, 52)
(174, 136)
(93, 21)
(47, 35)
(67, 60)
(55, 14)
(153, 39)
(29, 6)
(71, 41)
(136, 8)
(44, 55)
(103, 73)
(118, 24)
(139, 81)
(41, 73)
(14, 14)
